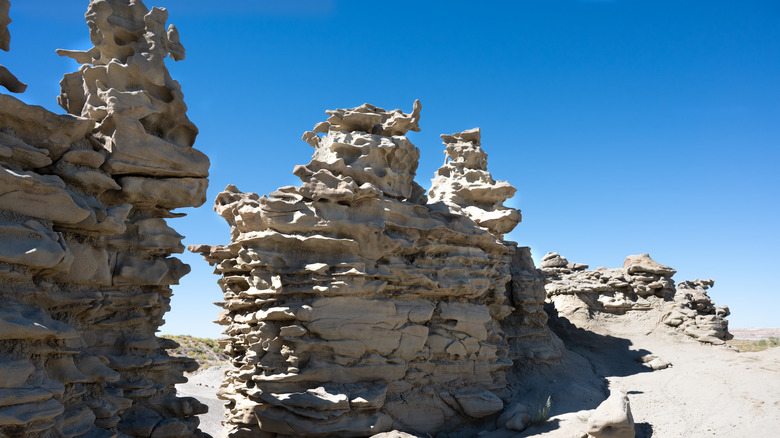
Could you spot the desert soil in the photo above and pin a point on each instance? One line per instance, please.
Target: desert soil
(708, 391)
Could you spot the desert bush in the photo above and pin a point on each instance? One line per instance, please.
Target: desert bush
(542, 414)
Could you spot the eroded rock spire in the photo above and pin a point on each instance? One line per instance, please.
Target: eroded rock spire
(7, 79)
(85, 260)
(464, 185)
(353, 307)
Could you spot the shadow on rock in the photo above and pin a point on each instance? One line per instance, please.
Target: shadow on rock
(609, 355)
(643, 430)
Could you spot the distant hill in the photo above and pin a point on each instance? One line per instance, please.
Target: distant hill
(755, 333)
(755, 339)
(206, 351)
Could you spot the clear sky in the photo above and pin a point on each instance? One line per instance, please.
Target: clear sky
(626, 126)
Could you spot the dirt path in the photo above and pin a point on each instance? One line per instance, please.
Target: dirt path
(203, 386)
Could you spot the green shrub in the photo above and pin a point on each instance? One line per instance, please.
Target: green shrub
(542, 414)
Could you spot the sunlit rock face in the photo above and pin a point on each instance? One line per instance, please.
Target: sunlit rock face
(355, 305)
(85, 266)
(465, 187)
(642, 284)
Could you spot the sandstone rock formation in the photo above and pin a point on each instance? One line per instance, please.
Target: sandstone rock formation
(354, 307)
(85, 264)
(465, 186)
(696, 314)
(641, 284)
(7, 79)
(612, 419)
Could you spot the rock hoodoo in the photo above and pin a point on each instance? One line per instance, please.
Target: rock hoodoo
(696, 315)
(641, 284)
(465, 186)
(85, 263)
(354, 305)
(7, 79)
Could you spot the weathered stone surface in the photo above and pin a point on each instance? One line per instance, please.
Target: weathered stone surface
(695, 314)
(465, 186)
(33, 245)
(42, 129)
(612, 419)
(641, 284)
(85, 263)
(478, 404)
(515, 417)
(167, 193)
(352, 306)
(31, 194)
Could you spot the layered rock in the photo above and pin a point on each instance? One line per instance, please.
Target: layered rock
(641, 284)
(353, 307)
(85, 264)
(465, 186)
(696, 315)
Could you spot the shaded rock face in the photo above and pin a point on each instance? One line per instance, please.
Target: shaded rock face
(85, 264)
(641, 284)
(354, 307)
(7, 79)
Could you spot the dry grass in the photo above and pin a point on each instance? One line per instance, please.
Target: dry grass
(751, 345)
(205, 351)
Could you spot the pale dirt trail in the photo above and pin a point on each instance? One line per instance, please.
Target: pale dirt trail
(203, 385)
(709, 391)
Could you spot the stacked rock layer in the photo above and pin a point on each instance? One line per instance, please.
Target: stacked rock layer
(641, 284)
(85, 264)
(353, 305)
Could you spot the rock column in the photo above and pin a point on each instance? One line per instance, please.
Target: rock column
(355, 306)
(85, 265)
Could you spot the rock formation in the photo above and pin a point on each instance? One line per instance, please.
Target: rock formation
(465, 186)
(85, 264)
(612, 419)
(7, 79)
(354, 305)
(641, 284)
(696, 315)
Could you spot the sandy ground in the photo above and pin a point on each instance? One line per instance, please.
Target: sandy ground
(708, 391)
(203, 386)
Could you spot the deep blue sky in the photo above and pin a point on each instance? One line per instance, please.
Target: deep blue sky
(626, 126)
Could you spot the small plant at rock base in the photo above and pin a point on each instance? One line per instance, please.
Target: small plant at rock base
(543, 413)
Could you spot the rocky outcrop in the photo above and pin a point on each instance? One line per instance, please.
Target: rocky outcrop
(641, 284)
(612, 419)
(85, 264)
(611, 290)
(465, 187)
(7, 79)
(354, 306)
(696, 315)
